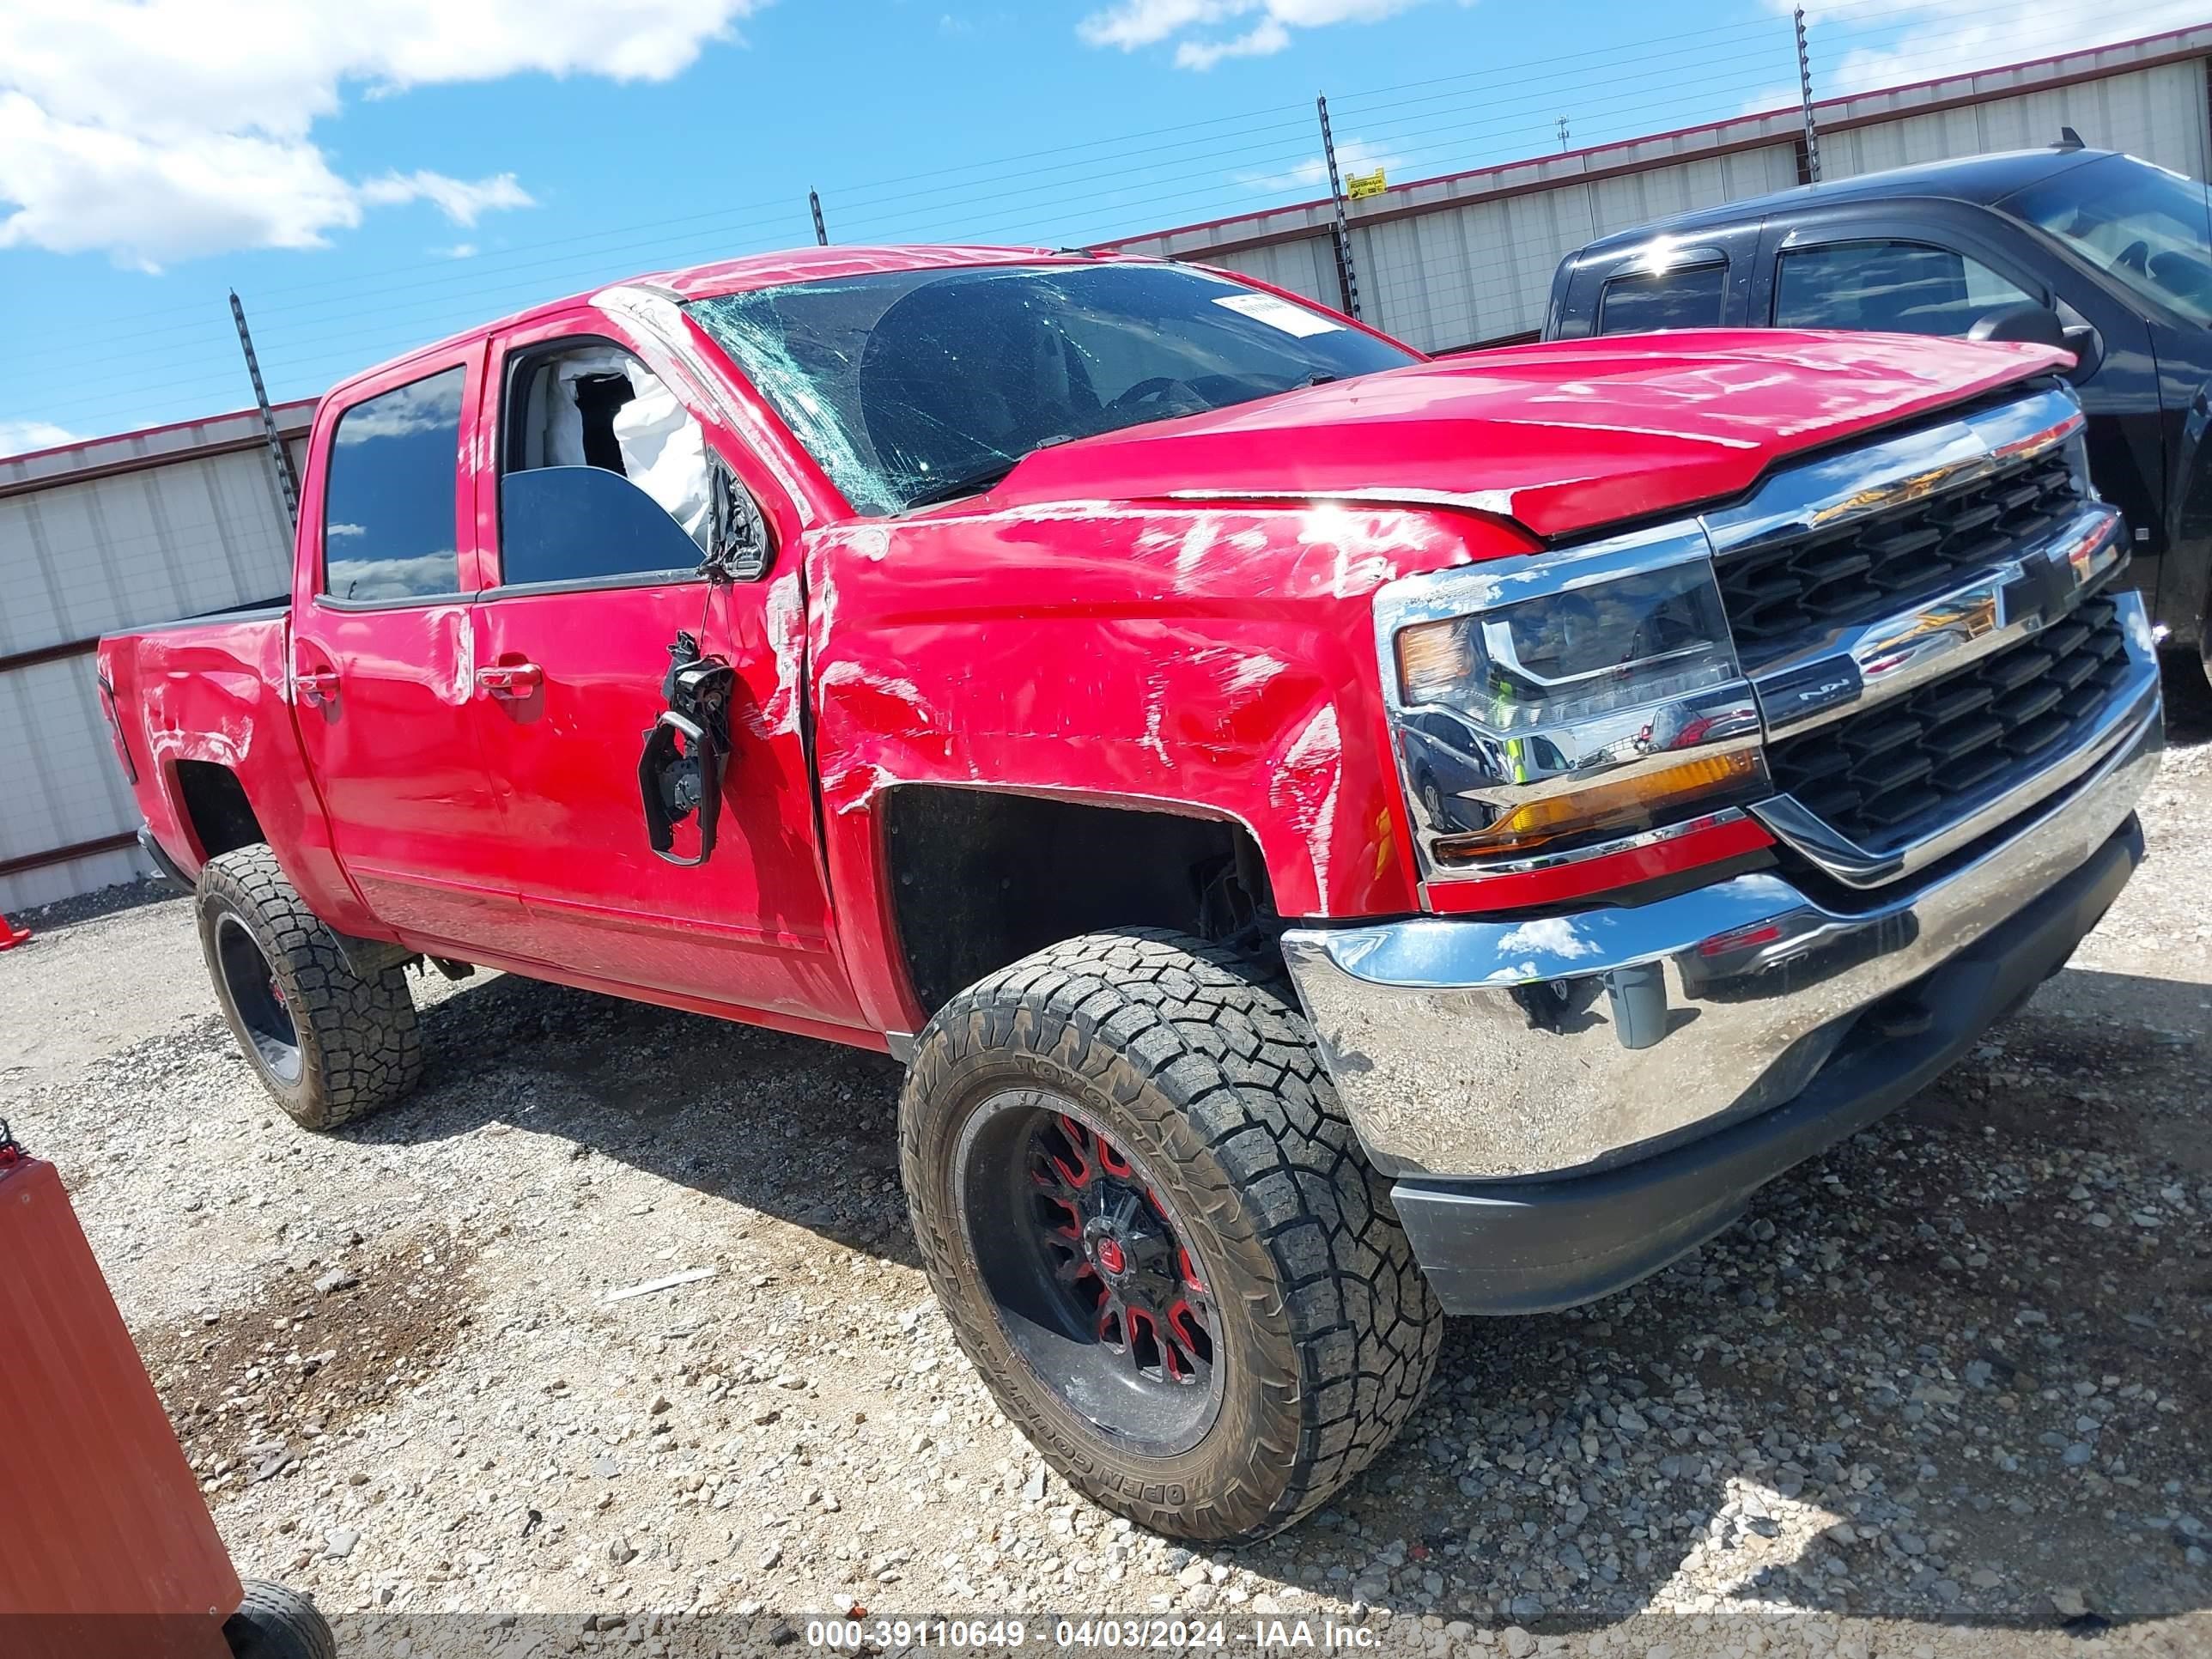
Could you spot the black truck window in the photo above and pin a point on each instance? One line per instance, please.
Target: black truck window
(2145, 227)
(1688, 296)
(1898, 287)
(388, 509)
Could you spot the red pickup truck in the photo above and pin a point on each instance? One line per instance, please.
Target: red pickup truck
(1336, 838)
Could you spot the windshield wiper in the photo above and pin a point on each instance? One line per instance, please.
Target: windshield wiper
(967, 483)
(974, 484)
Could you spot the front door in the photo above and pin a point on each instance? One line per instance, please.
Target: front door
(1881, 268)
(381, 657)
(600, 513)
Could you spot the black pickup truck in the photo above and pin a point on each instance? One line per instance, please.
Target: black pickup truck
(2107, 255)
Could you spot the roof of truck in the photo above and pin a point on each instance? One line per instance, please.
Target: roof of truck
(1981, 179)
(763, 270)
(814, 263)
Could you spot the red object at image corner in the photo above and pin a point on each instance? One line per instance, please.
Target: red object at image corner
(106, 1546)
(11, 935)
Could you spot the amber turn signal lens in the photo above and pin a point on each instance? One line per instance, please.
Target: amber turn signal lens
(1625, 804)
(1434, 661)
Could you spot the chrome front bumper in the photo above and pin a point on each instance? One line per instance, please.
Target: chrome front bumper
(1501, 1050)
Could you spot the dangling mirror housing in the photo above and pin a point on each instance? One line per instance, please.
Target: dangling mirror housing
(739, 548)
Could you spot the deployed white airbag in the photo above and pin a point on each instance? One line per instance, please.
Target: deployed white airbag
(662, 449)
(663, 453)
(564, 416)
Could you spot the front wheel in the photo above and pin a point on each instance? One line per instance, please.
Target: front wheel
(1154, 1235)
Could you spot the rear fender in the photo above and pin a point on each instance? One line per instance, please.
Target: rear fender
(217, 692)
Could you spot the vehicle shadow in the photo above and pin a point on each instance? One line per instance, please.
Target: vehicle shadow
(786, 1125)
(1917, 1382)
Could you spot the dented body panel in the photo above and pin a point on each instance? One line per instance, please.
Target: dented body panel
(1176, 618)
(1561, 438)
(1193, 658)
(219, 692)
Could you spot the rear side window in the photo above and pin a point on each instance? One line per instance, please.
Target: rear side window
(1688, 296)
(389, 506)
(1899, 288)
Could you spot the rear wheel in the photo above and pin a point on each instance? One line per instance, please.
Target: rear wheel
(327, 1042)
(1153, 1233)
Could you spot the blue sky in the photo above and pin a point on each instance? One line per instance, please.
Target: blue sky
(372, 173)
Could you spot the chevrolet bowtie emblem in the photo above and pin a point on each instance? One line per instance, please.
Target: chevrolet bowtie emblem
(2044, 588)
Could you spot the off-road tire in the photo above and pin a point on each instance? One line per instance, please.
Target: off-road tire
(359, 1045)
(1199, 1063)
(273, 1622)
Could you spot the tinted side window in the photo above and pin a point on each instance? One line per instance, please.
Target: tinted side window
(388, 509)
(566, 524)
(1903, 288)
(1688, 296)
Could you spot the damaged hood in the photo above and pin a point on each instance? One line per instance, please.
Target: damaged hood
(1561, 438)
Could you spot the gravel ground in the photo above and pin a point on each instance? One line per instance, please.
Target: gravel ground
(1944, 1391)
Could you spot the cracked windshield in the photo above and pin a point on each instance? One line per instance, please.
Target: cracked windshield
(918, 386)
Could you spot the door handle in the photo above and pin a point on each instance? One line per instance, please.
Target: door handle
(512, 679)
(316, 686)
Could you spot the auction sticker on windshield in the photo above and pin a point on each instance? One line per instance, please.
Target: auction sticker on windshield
(1278, 313)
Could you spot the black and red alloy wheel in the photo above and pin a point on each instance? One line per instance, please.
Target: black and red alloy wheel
(1091, 1271)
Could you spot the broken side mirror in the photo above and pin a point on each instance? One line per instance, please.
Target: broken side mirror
(738, 544)
(679, 774)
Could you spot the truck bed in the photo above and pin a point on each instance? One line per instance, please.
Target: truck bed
(212, 689)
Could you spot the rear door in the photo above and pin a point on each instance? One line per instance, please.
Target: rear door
(1702, 280)
(597, 521)
(382, 649)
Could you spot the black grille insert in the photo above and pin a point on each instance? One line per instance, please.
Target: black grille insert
(1878, 565)
(1889, 775)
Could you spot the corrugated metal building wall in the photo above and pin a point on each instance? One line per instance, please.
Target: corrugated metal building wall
(1467, 260)
(161, 525)
(96, 537)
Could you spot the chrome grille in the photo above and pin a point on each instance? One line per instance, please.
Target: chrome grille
(1875, 566)
(1883, 777)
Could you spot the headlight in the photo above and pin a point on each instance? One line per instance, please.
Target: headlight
(1614, 644)
(1581, 697)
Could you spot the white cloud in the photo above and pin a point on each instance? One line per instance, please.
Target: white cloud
(21, 437)
(1352, 155)
(1130, 24)
(458, 250)
(1263, 40)
(457, 198)
(1134, 24)
(159, 130)
(1950, 37)
(79, 187)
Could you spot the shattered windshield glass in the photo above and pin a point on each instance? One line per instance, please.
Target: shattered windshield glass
(918, 386)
